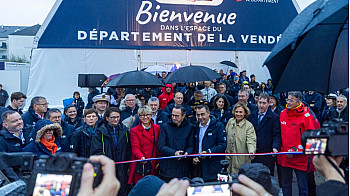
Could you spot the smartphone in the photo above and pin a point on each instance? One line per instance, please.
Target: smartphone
(315, 145)
(210, 189)
(52, 184)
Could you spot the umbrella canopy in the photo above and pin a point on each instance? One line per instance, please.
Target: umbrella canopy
(156, 68)
(313, 52)
(135, 79)
(191, 74)
(229, 63)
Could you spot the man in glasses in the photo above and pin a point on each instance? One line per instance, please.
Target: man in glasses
(55, 116)
(176, 138)
(36, 111)
(129, 106)
(294, 121)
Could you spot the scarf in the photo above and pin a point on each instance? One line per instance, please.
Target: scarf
(50, 145)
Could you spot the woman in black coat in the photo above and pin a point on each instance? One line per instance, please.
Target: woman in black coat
(78, 103)
(112, 139)
(221, 110)
(71, 116)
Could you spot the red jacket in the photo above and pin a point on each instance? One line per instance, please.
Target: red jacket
(294, 123)
(165, 97)
(141, 144)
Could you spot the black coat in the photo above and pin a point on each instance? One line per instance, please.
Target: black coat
(80, 142)
(327, 114)
(278, 110)
(19, 110)
(10, 143)
(103, 143)
(173, 138)
(268, 136)
(169, 109)
(214, 141)
(78, 122)
(224, 118)
(30, 118)
(344, 115)
(162, 118)
(64, 140)
(128, 112)
(316, 100)
(3, 97)
(79, 105)
(252, 107)
(90, 96)
(39, 148)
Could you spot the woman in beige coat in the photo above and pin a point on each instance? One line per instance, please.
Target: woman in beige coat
(241, 137)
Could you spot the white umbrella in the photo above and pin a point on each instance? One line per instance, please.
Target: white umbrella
(156, 68)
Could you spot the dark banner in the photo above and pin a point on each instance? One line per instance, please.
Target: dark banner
(248, 25)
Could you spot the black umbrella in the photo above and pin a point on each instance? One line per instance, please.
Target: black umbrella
(229, 63)
(313, 52)
(191, 74)
(135, 79)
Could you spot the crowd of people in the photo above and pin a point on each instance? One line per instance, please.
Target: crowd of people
(232, 114)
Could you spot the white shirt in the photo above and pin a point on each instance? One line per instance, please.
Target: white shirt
(202, 131)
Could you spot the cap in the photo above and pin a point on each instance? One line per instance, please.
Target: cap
(101, 97)
(244, 71)
(201, 102)
(252, 75)
(332, 96)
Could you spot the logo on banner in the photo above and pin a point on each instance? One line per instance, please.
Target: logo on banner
(192, 2)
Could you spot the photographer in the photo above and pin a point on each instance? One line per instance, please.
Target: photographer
(335, 180)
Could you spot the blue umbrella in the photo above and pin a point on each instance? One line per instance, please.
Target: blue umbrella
(313, 52)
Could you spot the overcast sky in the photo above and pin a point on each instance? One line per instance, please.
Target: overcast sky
(32, 12)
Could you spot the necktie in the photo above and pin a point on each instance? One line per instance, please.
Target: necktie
(259, 118)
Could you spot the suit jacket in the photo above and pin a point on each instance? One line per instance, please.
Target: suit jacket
(268, 131)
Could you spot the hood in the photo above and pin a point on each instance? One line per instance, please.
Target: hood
(41, 132)
(299, 110)
(167, 85)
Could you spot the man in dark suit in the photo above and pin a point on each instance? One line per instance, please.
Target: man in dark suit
(268, 132)
(243, 96)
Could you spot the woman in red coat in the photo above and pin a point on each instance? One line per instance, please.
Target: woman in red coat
(143, 138)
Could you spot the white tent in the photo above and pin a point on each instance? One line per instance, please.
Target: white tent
(58, 59)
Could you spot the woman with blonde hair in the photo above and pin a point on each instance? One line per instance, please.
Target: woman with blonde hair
(241, 137)
(144, 140)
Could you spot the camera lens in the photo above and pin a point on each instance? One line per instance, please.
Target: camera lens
(58, 164)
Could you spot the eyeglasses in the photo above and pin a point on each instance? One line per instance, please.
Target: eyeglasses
(50, 130)
(130, 100)
(44, 104)
(291, 100)
(145, 115)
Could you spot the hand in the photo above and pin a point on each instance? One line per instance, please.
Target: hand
(203, 152)
(196, 161)
(252, 157)
(290, 155)
(73, 103)
(109, 185)
(174, 188)
(143, 162)
(179, 152)
(326, 169)
(248, 187)
(274, 151)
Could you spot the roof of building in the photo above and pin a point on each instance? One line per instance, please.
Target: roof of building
(29, 31)
(6, 30)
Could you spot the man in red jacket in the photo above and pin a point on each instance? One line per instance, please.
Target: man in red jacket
(166, 96)
(294, 122)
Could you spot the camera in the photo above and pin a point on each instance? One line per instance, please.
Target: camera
(222, 187)
(331, 140)
(59, 174)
